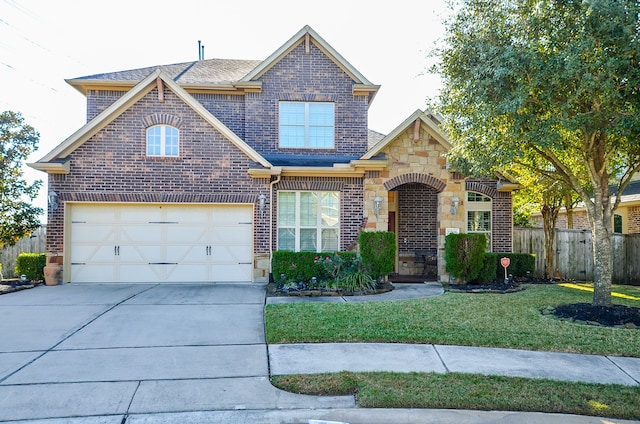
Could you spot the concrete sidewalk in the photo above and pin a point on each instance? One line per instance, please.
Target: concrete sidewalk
(366, 357)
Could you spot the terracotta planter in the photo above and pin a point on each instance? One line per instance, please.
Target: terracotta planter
(53, 271)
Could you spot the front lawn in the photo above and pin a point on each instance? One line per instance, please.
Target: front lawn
(470, 391)
(492, 320)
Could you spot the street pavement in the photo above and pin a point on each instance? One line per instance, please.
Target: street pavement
(196, 353)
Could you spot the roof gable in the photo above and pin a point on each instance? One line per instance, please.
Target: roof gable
(423, 117)
(53, 161)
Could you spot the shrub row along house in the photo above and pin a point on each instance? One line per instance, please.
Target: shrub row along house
(197, 172)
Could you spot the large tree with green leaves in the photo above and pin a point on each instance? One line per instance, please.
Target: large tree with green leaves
(548, 83)
(18, 217)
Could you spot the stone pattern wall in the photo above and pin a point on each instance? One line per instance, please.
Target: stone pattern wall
(425, 189)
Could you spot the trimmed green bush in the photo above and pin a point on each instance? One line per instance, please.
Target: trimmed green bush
(378, 252)
(31, 265)
(303, 266)
(489, 268)
(520, 264)
(464, 255)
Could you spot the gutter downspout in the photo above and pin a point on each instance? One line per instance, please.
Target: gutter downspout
(271, 184)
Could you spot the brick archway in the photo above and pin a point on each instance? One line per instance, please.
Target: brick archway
(428, 180)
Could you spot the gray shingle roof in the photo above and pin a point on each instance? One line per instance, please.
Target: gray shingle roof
(202, 72)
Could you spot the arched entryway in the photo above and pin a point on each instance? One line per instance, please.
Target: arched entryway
(413, 217)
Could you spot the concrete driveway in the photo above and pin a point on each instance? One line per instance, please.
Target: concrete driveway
(110, 350)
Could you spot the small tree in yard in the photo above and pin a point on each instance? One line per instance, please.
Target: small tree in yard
(548, 84)
(18, 217)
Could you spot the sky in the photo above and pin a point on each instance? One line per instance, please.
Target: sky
(44, 42)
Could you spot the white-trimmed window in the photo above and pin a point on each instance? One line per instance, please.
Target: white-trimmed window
(307, 125)
(478, 209)
(309, 221)
(162, 140)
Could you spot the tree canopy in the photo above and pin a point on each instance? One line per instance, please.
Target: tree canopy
(18, 217)
(552, 86)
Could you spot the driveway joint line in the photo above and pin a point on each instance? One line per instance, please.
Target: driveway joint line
(622, 369)
(51, 349)
(446, 368)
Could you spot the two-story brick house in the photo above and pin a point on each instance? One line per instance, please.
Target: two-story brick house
(197, 172)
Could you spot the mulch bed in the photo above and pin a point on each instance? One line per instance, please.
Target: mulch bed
(274, 291)
(500, 286)
(610, 316)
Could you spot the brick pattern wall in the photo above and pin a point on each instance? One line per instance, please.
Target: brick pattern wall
(502, 222)
(229, 109)
(351, 192)
(580, 220)
(501, 215)
(417, 218)
(633, 223)
(302, 77)
(113, 166)
(99, 100)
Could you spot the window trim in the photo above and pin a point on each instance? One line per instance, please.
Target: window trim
(482, 204)
(307, 126)
(319, 227)
(163, 141)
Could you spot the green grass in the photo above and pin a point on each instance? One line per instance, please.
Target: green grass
(491, 320)
(470, 391)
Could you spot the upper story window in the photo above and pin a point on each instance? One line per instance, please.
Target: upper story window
(162, 140)
(478, 209)
(307, 125)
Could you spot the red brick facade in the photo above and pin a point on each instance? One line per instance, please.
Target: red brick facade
(237, 162)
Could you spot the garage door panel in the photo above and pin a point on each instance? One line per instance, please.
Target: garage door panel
(88, 233)
(94, 273)
(162, 243)
(187, 234)
(232, 273)
(231, 254)
(238, 234)
(135, 233)
(84, 253)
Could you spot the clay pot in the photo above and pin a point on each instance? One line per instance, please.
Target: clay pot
(52, 273)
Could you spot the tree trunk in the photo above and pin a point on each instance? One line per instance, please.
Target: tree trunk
(603, 264)
(601, 220)
(549, 217)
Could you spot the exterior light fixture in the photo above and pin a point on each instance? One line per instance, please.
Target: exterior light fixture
(53, 200)
(376, 205)
(262, 201)
(455, 202)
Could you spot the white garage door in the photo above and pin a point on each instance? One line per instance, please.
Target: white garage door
(161, 243)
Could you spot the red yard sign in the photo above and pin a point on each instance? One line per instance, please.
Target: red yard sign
(505, 262)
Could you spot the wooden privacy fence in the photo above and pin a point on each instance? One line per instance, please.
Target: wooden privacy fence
(36, 243)
(574, 254)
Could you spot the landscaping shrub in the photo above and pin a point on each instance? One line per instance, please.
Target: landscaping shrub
(31, 265)
(303, 266)
(520, 264)
(489, 267)
(464, 255)
(356, 281)
(378, 252)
